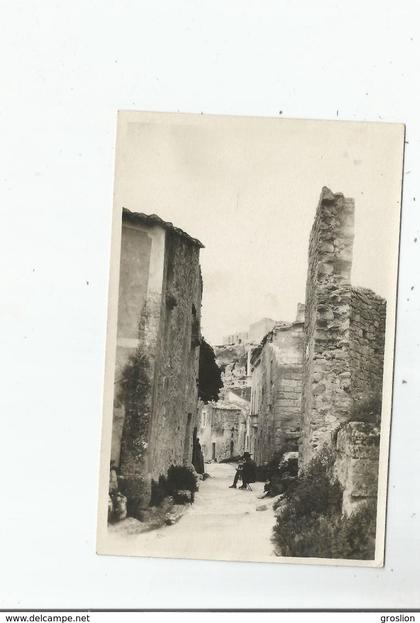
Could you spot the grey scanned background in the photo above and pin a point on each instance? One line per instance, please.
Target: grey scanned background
(67, 68)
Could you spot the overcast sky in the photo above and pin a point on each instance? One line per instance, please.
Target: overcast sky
(248, 188)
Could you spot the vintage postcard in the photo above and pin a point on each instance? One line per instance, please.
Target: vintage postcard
(250, 345)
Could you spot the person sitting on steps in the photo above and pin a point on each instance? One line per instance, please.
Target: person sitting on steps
(246, 470)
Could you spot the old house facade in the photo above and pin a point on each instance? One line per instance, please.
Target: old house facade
(276, 372)
(158, 337)
(222, 430)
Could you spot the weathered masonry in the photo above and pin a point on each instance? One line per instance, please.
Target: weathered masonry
(343, 355)
(344, 328)
(222, 431)
(158, 337)
(276, 367)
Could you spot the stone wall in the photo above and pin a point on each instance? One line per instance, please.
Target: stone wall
(276, 390)
(367, 342)
(344, 331)
(343, 359)
(175, 386)
(157, 353)
(357, 463)
(326, 400)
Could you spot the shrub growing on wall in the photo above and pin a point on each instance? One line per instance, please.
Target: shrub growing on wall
(367, 409)
(181, 478)
(311, 524)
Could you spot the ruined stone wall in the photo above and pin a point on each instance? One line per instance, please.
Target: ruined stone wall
(174, 416)
(357, 464)
(343, 361)
(367, 343)
(326, 400)
(277, 390)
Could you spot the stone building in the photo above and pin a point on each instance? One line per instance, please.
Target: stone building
(240, 337)
(254, 335)
(234, 357)
(222, 431)
(344, 328)
(276, 372)
(158, 337)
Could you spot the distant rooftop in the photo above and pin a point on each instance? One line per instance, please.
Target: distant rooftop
(154, 219)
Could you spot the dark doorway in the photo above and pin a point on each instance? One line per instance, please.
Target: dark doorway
(231, 448)
(187, 440)
(194, 446)
(213, 451)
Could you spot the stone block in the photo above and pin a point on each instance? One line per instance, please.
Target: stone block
(359, 440)
(357, 463)
(175, 514)
(262, 507)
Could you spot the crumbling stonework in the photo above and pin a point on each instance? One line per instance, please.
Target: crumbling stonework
(357, 463)
(276, 390)
(344, 328)
(367, 333)
(326, 400)
(233, 361)
(343, 360)
(157, 353)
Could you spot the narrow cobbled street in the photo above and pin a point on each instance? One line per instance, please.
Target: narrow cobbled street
(224, 522)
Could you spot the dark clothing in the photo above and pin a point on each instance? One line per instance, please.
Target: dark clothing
(198, 459)
(237, 475)
(249, 472)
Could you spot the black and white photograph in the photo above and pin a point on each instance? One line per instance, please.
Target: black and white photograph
(250, 342)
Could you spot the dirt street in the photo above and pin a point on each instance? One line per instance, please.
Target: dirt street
(222, 524)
